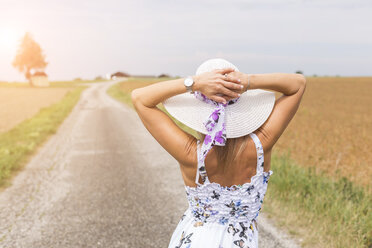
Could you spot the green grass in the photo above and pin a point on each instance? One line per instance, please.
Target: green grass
(17, 144)
(118, 94)
(73, 83)
(320, 211)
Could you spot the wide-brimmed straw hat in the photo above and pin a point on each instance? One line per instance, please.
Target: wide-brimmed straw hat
(242, 117)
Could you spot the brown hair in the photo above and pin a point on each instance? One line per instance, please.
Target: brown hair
(226, 154)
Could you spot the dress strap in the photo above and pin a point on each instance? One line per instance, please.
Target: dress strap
(201, 166)
(260, 152)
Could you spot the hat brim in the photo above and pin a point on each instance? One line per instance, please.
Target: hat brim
(242, 117)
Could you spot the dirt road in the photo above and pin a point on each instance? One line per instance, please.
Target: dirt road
(101, 181)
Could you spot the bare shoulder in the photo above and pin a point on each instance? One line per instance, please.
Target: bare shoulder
(264, 138)
(265, 142)
(191, 152)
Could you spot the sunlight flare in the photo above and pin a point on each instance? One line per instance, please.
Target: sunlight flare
(9, 38)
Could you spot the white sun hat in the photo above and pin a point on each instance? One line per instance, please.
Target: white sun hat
(243, 117)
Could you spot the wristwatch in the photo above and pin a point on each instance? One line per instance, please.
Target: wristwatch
(188, 82)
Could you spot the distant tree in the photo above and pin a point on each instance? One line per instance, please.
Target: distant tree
(163, 75)
(29, 56)
(299, 72)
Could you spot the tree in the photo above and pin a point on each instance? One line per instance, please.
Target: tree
(299, 72)
(163, 75)
(29, 56)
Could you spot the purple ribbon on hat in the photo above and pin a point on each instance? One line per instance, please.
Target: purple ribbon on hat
(215, 124)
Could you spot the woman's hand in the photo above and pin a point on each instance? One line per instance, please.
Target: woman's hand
(242, 77)
(218, 85)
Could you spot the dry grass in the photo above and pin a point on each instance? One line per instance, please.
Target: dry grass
(332, 128)
(20, 103)
(133, 83)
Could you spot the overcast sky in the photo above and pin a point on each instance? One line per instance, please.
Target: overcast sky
(90, 38)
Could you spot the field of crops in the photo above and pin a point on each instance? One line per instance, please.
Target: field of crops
(20, 103)
(332, 128)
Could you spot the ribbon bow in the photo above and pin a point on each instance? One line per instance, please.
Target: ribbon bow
(215, 124)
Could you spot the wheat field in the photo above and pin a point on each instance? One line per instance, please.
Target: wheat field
(332, 129)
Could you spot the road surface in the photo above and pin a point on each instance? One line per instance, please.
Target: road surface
(100, 181)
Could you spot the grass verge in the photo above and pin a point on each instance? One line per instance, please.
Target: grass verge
(19, 143)
(321, 211)
(316, 209)
(116, 92)
(53, 84)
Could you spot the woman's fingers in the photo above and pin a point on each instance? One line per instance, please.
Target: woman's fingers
(225, 70)
(232, 86)
(218, 99)
(227, 92)
(229, 78)
(232, 79)
(227, 98)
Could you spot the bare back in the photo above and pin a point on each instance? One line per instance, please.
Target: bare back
(239, 172)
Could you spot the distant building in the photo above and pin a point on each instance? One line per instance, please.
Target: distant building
(40, 79)
(119, 74)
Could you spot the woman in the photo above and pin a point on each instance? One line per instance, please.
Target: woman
(224, 172)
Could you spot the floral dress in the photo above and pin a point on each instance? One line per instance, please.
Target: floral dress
(222, 217)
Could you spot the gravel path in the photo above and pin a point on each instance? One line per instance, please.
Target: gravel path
(100, 181)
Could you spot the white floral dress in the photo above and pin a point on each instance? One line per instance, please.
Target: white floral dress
(222, 217)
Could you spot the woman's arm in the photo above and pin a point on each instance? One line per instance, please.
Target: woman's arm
(292, 86)
(161, 126)
(286, 83)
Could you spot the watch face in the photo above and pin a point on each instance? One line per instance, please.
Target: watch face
(188, 81)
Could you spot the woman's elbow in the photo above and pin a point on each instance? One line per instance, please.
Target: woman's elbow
(301, 79)
(134, 96)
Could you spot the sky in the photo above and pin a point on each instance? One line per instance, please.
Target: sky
(142, 37)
